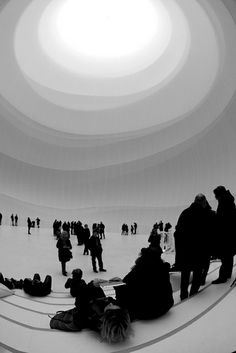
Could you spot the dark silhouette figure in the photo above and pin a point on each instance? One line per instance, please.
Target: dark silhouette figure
(86, 239)
(102, 230)
(193, 238)
(36, 287)
(0, 219)
(38, 222)
(64, 246)
(12, 220)
(29, 224)
(225, 236)
(135, 227)
(16, 220)
(95, 248)
(76, 283)
(147, 293)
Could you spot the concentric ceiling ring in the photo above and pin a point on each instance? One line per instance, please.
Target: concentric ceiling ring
(139, 110)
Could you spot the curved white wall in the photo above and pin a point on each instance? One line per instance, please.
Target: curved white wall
(144, 173)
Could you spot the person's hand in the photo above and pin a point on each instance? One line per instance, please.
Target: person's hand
(115, 279)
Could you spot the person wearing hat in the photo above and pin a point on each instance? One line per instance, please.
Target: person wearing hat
(76, 283)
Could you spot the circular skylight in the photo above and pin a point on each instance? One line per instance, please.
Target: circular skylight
(105, 37)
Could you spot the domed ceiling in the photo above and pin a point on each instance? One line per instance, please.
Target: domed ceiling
(115, 105)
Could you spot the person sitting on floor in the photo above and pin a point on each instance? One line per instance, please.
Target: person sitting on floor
(36, 287)
(147, 293)
(76, 283)
(95, 311)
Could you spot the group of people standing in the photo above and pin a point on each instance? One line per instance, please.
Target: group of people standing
(92, 244)
(202, 234)
(125, 229)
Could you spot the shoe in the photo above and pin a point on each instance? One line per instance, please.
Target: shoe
(1, 278)
(219, 280)
(64, 273)
(36, 277)
(95, 271)
(103, 270)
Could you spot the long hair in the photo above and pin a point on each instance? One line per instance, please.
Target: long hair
(115, 326)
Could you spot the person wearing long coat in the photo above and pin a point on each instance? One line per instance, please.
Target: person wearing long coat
(225, 241)
(193, 239)
(96, 250)
(64, 254)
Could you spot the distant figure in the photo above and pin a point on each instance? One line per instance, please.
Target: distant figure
(102, 230)
(16, 220)
(132, 229)
(225, 235)
(64, 246)
(86, 239)
(0, 219)
(76, 283)
(38, 222)
(95, 248)
(193, 238)
(135, 228)
(12, 220)
(29, 224)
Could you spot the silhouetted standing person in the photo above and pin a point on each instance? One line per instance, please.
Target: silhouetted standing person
(16, 220)
(95, 248)
(64, 246)
(225, 236)
(29, 224)
(12, 220)
(86, 239)
(38, 222)
(0, 219)
(193, 238)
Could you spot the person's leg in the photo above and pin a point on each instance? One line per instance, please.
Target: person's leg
(205, 270)
(225, 269)
(36, 277)
(184, 283)
(63, 268)
(93, 257)
(196, 281)
(47, 284)
(100, 263)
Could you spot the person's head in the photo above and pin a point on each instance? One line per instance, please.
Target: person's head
(115, 326)
(219, 191)
(95, 232)
(77, 273)
(85, 226)
(64, 226)
(201, 200)
(64, 235)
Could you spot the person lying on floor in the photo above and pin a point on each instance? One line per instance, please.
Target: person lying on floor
(11, 283)
(97, 312)
(36, 287)
(76, 283)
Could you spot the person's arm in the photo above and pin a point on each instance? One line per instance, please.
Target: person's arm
(68, 283)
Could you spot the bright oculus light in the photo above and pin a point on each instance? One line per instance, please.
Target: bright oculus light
(107, 28)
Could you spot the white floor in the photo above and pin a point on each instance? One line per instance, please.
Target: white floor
(205, 323)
